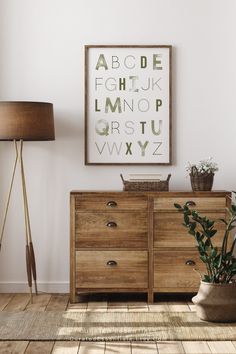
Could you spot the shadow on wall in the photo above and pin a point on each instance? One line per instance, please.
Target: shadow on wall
(69, 126)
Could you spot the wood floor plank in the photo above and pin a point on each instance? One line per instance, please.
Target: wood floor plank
(144, 347)
(159, 307)
(223, 347)
(40, 303)
(80, 307)
(39, 347)
(18, 303)
(58, 302)
(170, 348)
(13, 347)
(97, 306)
(4, 300)
(118, 348)
(196, 347)
(138, 306)
(117, 307)
(92, 348)
(178, 306)
(65, 347)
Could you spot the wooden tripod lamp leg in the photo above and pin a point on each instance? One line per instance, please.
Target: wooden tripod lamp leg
(9, 194)
(31, 247)
(30, 258)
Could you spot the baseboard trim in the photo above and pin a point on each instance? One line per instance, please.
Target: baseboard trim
(22, 287)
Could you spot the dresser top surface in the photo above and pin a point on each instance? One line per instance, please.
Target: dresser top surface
(214, 193)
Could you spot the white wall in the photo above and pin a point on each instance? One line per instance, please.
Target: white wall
(41, 58)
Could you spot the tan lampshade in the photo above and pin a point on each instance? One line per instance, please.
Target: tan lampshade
(26, 121)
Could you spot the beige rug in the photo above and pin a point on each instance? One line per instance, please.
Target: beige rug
(105, 326)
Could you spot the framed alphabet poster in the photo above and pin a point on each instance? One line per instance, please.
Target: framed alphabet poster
(127, 104)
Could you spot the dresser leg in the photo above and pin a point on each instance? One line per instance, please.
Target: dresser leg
(150, 297)
(73, 297)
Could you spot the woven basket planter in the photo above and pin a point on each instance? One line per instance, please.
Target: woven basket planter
(202, 182)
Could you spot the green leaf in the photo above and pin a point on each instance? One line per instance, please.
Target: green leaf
(206, 278)
(203, 259)
(177, 206)
(186, 219)
(213, 252)
(212, 232)
(223, 220)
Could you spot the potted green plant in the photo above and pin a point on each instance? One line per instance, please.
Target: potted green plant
(216, 298)
(202, 174)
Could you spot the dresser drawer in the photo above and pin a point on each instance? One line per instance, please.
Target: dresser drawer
(111, 269)
(111, 222)
(173, 271)
(112, 238)
(111, 202)
(170, 232)
(201, 203)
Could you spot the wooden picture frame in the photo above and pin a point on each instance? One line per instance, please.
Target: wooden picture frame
(128, 104)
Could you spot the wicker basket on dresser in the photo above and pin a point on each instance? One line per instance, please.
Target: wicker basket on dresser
(134, 241)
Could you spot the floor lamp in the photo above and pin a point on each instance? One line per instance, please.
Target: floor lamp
(19, 122)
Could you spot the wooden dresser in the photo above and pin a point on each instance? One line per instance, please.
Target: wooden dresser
(135, 241)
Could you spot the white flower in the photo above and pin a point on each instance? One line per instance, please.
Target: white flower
(204, 166)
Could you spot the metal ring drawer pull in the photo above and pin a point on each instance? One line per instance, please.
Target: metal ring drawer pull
(112, 263)
(190, 203)
(190, 262)
(111, 224)
(112, 204)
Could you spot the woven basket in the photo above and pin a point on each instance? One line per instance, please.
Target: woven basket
(202, 182)
(146, 185)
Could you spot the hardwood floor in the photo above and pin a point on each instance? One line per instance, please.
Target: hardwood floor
(60, 302)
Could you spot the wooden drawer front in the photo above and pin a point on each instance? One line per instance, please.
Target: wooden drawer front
(111, 202)
(171, 271)
(110, 238)
(94, 271)
(202, 203)
(111, 222)
(169, 231)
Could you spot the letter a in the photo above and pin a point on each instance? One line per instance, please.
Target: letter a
(101, 62)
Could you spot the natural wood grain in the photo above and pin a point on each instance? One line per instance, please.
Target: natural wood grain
(97, 306)
(58, 302)
(224, 347)
(73, 296)
(137, 306)
(144, 348)
(145, 223)
(80, 307)
(18, 302)
(196, 347)
(170, 348)
(171, 270)
(100, 201)
(39, 347)
(169, 230)
(130, 230)
(65, 348)
(40, 303)
(4, 300)
(92, 348)
(92, 270)
(178, 306)
(117, 307)
(118, 347)
(159, 307)
(206, 203)
(13, 347)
